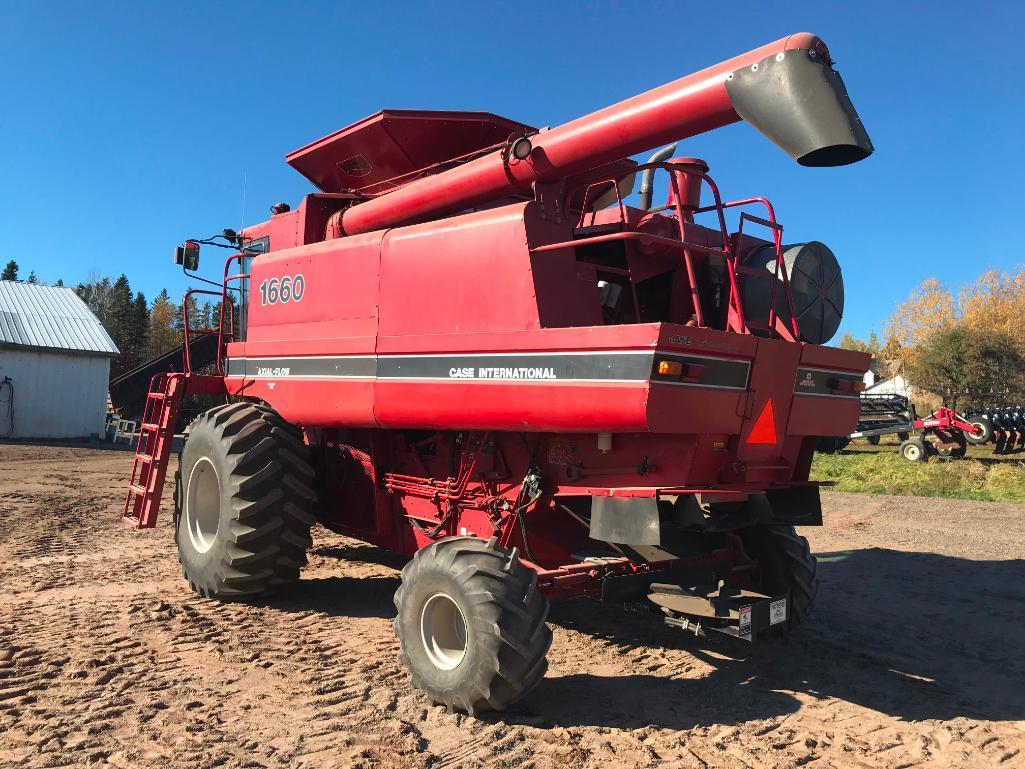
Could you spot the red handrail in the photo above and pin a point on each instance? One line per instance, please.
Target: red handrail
(737, 323)
(223, 336)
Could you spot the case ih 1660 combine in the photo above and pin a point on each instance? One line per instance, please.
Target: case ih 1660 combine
(466, 348)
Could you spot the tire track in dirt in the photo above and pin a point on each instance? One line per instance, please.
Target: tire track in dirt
(107, 659)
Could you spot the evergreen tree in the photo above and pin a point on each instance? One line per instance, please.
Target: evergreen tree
(59, 283)
(179, 317)
(138, 331)
(32, 277)
(10, 271)
(121, 317)
(162, 334)
(203, 316)
(231, 314)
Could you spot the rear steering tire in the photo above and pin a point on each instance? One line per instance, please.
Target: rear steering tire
(785, 567)
(243, 508)
(471, 625)
(832, 445)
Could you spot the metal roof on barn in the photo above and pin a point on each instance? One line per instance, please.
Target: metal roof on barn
(50, 317)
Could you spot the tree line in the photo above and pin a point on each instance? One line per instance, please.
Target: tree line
(141, 329)
(971, 344)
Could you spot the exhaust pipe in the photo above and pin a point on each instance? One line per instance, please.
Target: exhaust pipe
(647, 178)
(787, 90)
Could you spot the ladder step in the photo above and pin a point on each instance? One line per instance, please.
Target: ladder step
(155, 430)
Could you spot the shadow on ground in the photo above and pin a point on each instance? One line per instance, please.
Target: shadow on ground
(913, 635)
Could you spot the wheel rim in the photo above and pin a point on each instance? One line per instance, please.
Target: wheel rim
(203, 505)
(912, 453)
(443, 630)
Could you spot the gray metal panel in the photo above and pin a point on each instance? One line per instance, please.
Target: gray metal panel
(49, 317)
(625, 520)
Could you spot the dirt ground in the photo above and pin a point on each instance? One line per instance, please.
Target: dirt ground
(914, 656)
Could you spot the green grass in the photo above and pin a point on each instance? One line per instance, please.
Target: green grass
(881, 470)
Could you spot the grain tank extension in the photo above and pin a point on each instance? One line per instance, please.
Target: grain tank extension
(467, 347)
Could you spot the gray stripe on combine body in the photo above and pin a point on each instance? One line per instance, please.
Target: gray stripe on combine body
(321, 367)
(632, 366)
(813, 381)
(615, 366)
(718, 372)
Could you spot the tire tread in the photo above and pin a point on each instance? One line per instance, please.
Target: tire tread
(272, 483)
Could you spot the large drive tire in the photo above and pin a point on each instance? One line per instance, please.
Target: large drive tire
(471, 625)
(785, 567)
(243, 513)
(985, 427)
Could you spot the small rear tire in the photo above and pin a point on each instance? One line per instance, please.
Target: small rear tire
(785, 567)
(913, 450)
(244, 502)
(832, 444)
(471, 625)
(873, 440)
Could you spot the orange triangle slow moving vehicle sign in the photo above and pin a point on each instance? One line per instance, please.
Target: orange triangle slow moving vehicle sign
(764, 430)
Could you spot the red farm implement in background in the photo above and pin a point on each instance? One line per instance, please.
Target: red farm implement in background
(467, 347)
(945, 433)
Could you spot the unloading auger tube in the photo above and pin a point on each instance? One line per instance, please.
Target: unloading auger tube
(788, 90)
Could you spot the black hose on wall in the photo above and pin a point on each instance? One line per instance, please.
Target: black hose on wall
(8, 384)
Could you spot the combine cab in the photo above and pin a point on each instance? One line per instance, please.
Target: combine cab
(467, 348)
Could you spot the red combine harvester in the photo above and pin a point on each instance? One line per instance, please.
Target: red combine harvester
(468, 349)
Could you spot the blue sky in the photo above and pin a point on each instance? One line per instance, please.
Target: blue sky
(126, 127)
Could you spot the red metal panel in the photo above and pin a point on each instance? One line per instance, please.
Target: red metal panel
(823, 415)
(772, 377)
(337, 312)
(518, 406)
(466, 274)
(314, 403)
(336, 315)
(834, 358)
(693, 410)
(820, 414)
(382, 150)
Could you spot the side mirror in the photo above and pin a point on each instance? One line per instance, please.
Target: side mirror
(187, 255)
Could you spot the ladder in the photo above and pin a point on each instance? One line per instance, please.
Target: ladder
(156, 434)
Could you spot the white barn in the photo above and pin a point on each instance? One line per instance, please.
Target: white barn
(54, 364)
(897, 385)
